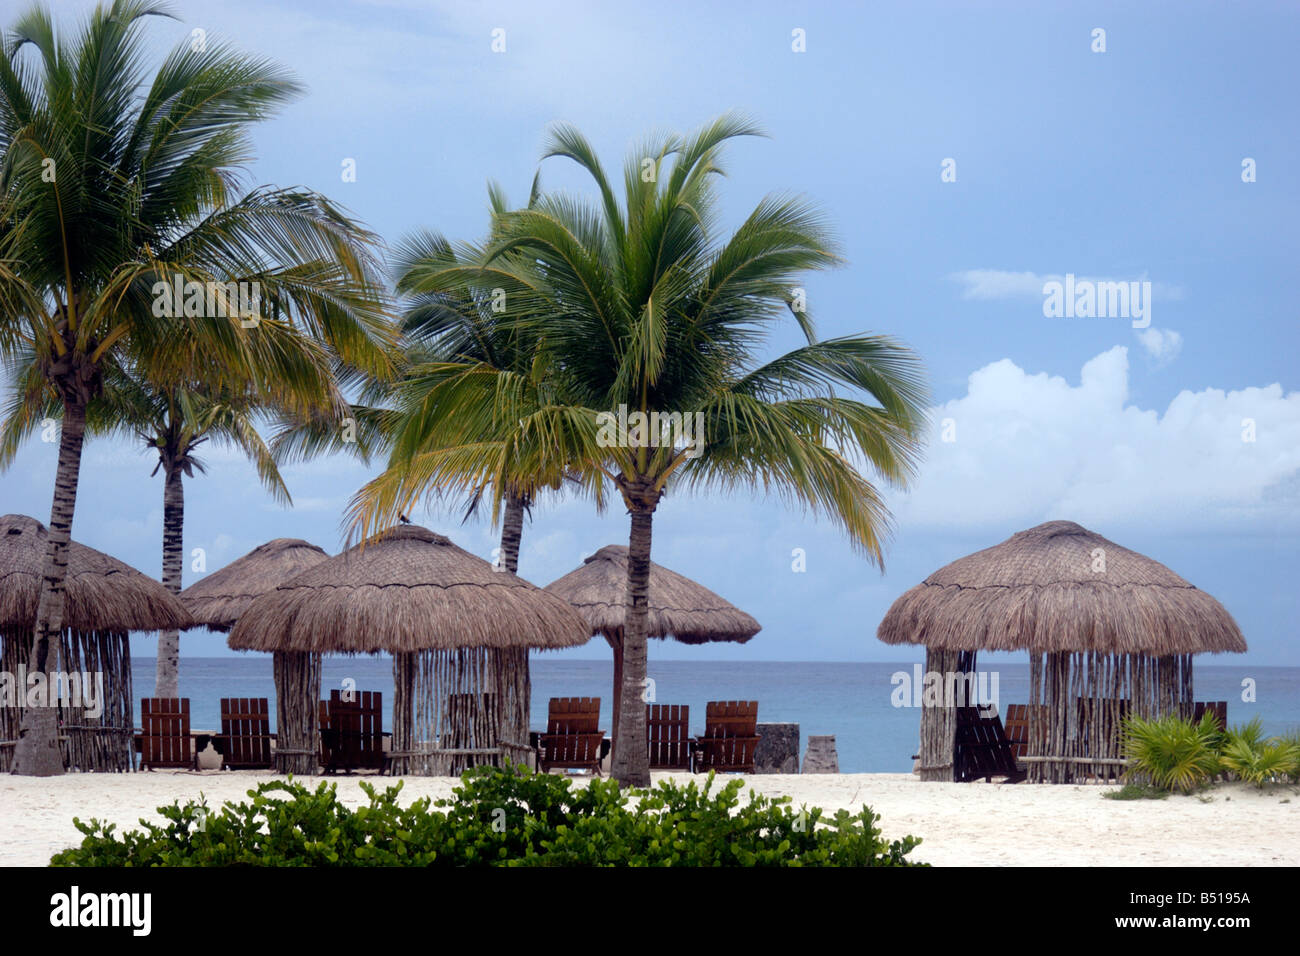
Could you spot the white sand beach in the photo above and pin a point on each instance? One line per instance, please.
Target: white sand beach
(961, 824)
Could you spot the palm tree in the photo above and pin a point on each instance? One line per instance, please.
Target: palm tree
(470, 350)
(648, 313)
(174, 422)
(115, 188)
(174, 419)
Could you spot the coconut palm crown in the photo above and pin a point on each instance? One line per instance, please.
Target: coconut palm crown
(649, 311)
(117, 186)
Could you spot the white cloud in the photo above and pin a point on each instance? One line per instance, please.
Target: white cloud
(997, 284)
(993, 284)
(1163, 345)
(1033, 447)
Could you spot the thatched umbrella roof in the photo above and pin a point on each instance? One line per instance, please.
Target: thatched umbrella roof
(221, 597)
(679, 607)
(406, 589)
(1042, 590)
(100, 592)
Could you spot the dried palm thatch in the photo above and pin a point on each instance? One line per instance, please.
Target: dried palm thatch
(403, 590)
(1060, 587)
(1109, 632)
(459, 631)
(221, 598)
(218, 600)
(679, 608)
(101, 593)
(103, 600)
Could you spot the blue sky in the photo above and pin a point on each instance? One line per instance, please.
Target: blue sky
(1116, 165)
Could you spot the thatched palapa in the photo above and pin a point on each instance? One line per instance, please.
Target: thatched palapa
(406, 589)
(104, 599)
(101, 593)
(678, 607)
(218, 600)
(1109, 632)
(1060, 587)
(458, 629)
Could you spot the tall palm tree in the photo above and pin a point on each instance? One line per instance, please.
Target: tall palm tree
(650, 311)
(114, 186)
(469, 349)
(174, 422)
(174, 419)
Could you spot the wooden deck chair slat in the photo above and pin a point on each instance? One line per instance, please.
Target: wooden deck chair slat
(668, 736)
(165, 732)
(573, 736)
(246, 732)
(730, 737)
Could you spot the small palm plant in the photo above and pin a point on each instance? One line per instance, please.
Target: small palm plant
(1171, 753)
(1247, 755)
(1293, 738)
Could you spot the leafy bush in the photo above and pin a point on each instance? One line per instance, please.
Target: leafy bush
(1171, 753)
(1247, 755)
(1136, 791)
(1293, 738)
(498, 817)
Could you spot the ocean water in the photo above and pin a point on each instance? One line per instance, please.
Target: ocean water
(853, 701)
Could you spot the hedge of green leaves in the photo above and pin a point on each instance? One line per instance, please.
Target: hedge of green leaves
(498, 817)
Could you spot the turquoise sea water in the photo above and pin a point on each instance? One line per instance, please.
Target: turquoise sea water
(850, 700)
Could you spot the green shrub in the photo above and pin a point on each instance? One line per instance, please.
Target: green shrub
(1292, 737)
(1136, 791)
(498, 817)
(1171, 753)
(1248, 756)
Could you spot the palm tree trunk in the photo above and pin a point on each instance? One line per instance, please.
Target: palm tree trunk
(631, 765)
(167, 675)
(37, 752)
(512, 532)
(616, 645)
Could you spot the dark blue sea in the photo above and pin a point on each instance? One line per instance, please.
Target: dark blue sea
(853, 701)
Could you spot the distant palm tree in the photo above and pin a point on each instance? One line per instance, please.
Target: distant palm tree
(174, 419)
(648, 312)
(114, 187)
(475, 368)
(174, 422)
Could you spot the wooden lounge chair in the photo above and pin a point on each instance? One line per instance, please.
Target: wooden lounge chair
(982, 749)
(353, 738)
(668, 736)
(1017, 729)
(573, 739)
(165, 733)
(1219, 708)
(245, 739)
(730, 737)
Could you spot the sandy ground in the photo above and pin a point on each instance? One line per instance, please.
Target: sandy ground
(961, 824)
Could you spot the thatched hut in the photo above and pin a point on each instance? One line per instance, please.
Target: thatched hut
(678, 607)
(459, 631)
(218, 600)
(1109, 632)
(104, 600)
